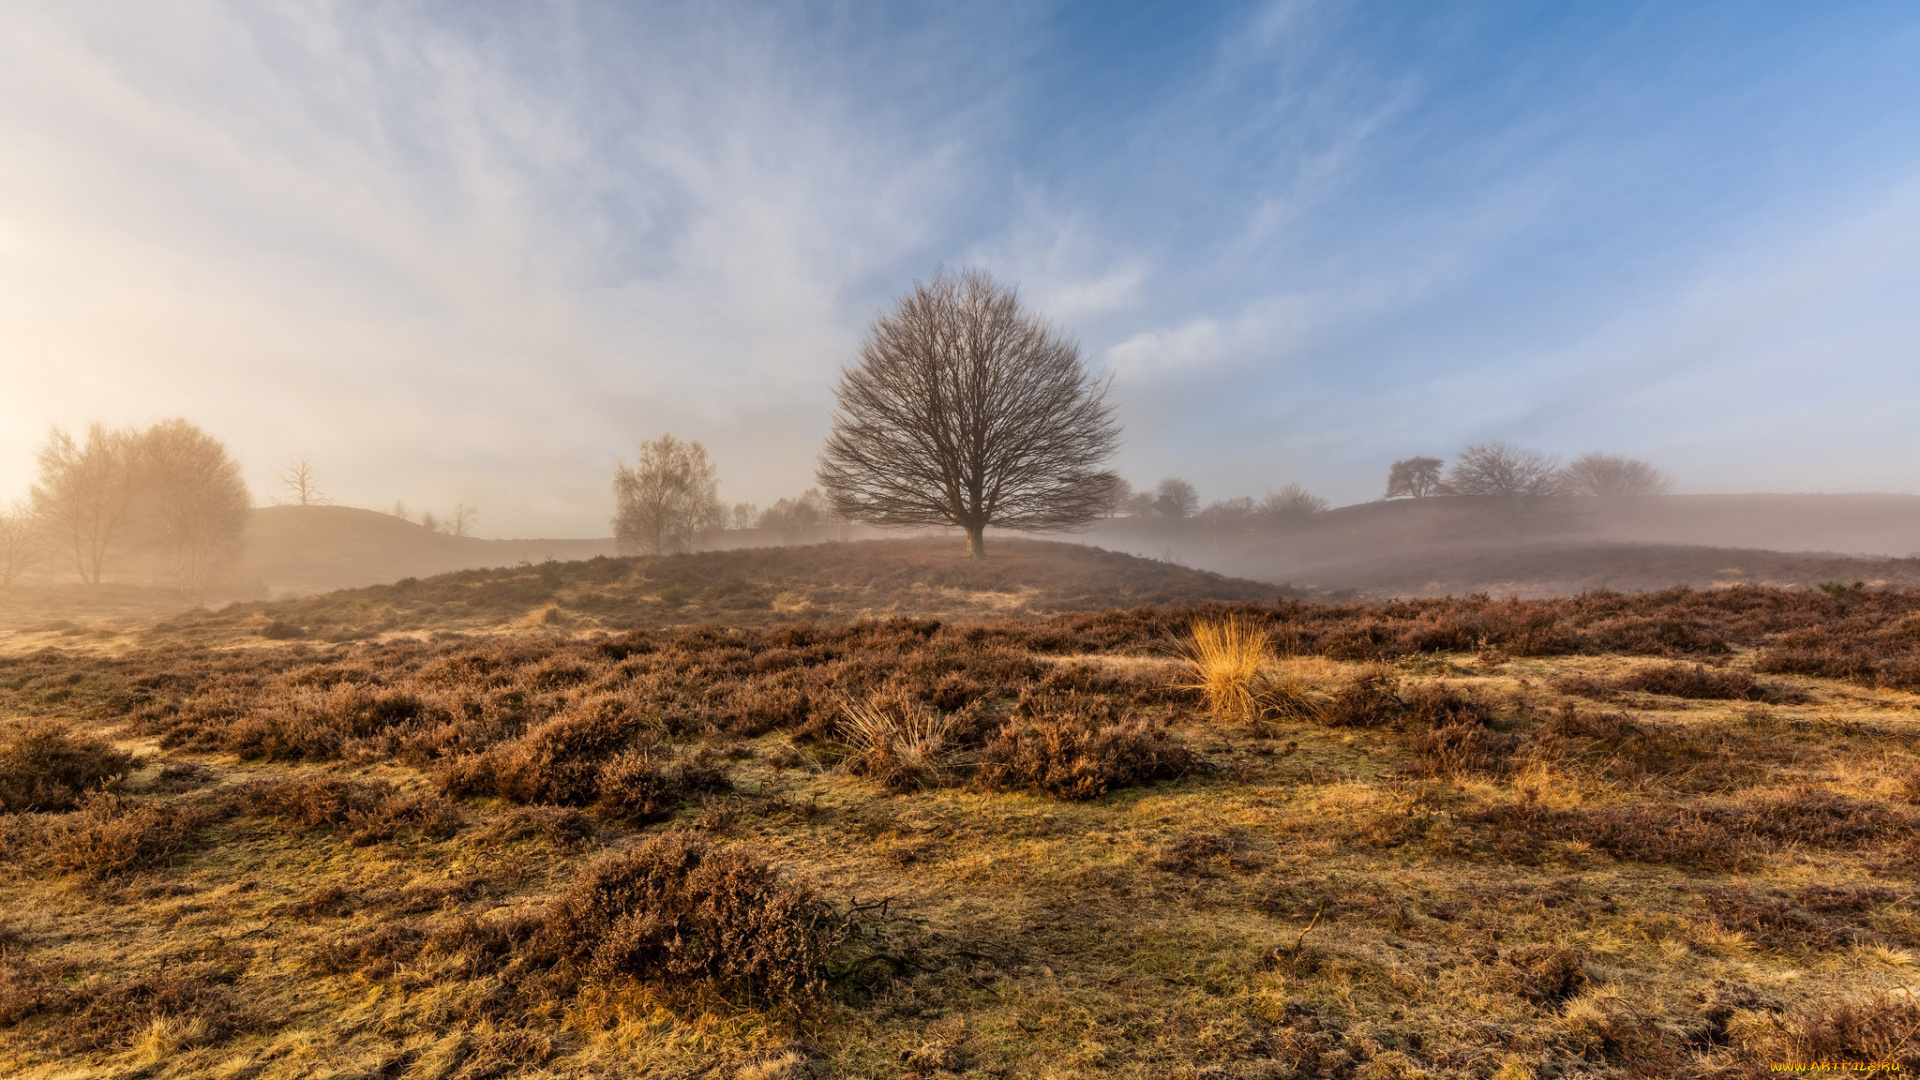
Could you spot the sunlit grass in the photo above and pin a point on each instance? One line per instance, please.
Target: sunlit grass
(1224, 660)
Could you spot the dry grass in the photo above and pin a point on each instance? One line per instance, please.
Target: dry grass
(667, 854)
(1224, 660)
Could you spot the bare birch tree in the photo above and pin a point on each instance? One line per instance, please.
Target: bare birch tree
(192, 501)
(667, 498)
(966, 410)
(460, 522)
(22, 542)
(85, 497)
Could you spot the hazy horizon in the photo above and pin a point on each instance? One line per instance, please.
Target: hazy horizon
(477, 253)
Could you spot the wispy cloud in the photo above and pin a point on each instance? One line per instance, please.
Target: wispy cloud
(477, 252)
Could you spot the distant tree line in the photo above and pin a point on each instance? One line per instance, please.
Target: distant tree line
(170, 492)
(1176, 499)
(1502, 471)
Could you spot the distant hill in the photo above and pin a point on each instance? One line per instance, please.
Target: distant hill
(1464, 545)
(832, 582)
(308, 549)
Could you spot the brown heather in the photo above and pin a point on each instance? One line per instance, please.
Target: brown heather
(1602, 836)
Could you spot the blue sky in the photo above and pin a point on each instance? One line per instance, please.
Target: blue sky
(472, 252)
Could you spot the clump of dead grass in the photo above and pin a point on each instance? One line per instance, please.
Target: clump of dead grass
(46, 765)
(902, 744)
(1224, 659)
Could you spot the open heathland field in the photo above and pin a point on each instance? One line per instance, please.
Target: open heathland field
(1668, 834)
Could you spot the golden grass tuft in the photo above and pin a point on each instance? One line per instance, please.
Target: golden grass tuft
(1224, 660)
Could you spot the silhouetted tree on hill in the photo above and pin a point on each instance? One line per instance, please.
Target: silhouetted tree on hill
(1503, 471)
(302, 483)
(1611, 475)
(667, 498)
(1175, 499)
(1292, 501)
(1414, 477)
(966, 410)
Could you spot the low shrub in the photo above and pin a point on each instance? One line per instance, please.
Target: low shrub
(641, 786)
(684, 915)
(1882, 1027)
(1370, 700)
(364, 812)
(1692, 681)
(45, 765)
(1773, 921)
(110, 835)
(1081, 751)
(185, 1009)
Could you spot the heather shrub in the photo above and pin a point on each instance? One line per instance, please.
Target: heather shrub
(642, 785)
(45, 765)
(364, 812)
(110, 835)
(684, 915)
(1370, 700)
(183, 1010)
(1882, 1027)
(1079, 750)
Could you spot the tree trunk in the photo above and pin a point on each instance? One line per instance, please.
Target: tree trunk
(976, 541)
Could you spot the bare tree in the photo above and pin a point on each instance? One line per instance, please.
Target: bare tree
(21, 542)
(803, 518)
(431, 522)
(666, 499)
(1225, 512)
(1116, 499)
(966, 410)
(85, 496)
(460, 522)
(1140, 503)
(1292, 501)
(192, 501)
(301, 482)
(1504, 471)
(1417, 477)
(1611, 475)
(400, 510)
(1175, 499)
(743, 516)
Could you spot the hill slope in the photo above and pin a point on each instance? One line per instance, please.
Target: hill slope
(828, 583)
